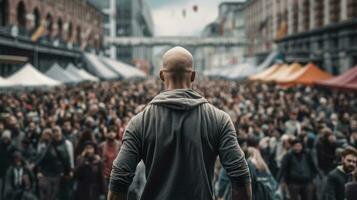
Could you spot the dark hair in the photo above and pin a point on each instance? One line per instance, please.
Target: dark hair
(295, 141)
(349, 151)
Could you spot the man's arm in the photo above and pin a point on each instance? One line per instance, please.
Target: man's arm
(124, 165)
(117, 196)
(241, 192)
(233, 160)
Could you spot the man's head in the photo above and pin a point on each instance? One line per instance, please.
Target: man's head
(177, 70)
(57, 133)
(297, 146)
(112, 132)
(6, 136)
(349, 159)
(67, 126)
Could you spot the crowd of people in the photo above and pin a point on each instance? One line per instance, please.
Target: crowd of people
(60, 143)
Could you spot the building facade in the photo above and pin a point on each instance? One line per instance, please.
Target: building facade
(229, 23)
(322, 31)
(46, 31)
(134, 19)
(109, 10)
(70, 21)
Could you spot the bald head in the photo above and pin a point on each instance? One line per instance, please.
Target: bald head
(177, 66)
(177, 59)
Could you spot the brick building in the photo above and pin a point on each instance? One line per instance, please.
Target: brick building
(43, 32)
(323, 31)
(71, 21)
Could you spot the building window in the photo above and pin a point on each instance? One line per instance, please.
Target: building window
(335, 8)
(4, 12)
(306, 15)
(351, 9)
(60, 28)
(49, 23)
(21, 14)
(319, 13)
(37, 17)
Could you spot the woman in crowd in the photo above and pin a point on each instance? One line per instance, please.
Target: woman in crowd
(89, 174)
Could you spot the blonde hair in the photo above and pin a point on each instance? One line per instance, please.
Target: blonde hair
(257, 160)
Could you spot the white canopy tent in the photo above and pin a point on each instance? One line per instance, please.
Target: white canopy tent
(242, 71)
(5, 83)
(28, 76)
(80, 73)
(58, 73)
(124, 70)
(96, 66)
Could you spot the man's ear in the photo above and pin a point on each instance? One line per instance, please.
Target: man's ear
(162, 76)
(193, 76)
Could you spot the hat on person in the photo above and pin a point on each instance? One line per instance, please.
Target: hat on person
(6, 134)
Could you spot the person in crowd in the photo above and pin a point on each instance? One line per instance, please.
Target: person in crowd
(337, 178)
(53, 165)
(89, 174)
(325, 148)
(69, 134)
(20, 181)
(86, 136)
(263, 183)
(64, 145)
(109, 150)
(7, 149)
(17, 134)
(293, 126)
(297, 172)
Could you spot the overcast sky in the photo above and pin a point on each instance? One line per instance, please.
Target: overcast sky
(169, 21)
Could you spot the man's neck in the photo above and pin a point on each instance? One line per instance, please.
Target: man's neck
(175, 86)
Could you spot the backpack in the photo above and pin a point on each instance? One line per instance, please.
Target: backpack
(264, 189)
(264, 185)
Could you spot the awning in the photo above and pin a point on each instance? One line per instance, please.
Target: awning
(28, 76)
(58, 73)
(80, 73)
(124, 70)
(96, 66)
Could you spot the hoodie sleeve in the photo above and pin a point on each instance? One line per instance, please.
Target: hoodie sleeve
(124, 165)
(231, 155)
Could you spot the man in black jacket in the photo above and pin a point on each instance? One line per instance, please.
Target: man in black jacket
(297, 172)
(337, 178)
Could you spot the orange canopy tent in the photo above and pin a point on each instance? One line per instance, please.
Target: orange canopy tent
(284, 72)
(270, 77)
(306, 76)
(265, 73)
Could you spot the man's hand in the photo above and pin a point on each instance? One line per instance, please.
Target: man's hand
(117, 196)
(241, 192)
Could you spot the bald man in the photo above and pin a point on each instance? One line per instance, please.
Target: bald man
(179, 136)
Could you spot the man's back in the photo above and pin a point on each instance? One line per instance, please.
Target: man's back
(178, 136)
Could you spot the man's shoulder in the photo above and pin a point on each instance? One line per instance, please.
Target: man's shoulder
(335, 174)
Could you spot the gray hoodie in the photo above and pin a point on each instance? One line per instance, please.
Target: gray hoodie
(178, 136)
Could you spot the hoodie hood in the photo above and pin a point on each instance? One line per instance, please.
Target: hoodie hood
(179, 99)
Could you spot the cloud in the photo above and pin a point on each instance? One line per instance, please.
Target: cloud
(169, 20)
